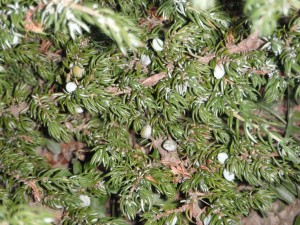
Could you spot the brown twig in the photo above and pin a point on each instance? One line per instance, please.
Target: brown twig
(118, 91)
(154, 79)
(31, 25)
(192, 206)
(135, 185)
(35, 191)
(148, 82)
(253, 42)
(260, 72)
(167, 213)
(16, 109)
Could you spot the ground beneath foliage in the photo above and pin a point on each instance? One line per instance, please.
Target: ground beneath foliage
(280, 214)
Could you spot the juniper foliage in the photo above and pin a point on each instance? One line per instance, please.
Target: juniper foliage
(81, 81)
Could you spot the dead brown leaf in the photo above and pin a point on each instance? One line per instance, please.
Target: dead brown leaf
(150, 81)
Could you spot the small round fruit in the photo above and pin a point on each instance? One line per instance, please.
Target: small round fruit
(219, 71)
(71, 86)
(222, 156)
(77, 71)
(79, 110)
(157, 44)
(85, 200)
(202, 5)
(170, 145)
(145, 60)
(146, 131)
(227, 175)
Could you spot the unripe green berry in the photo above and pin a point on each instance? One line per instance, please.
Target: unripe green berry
(77, 71)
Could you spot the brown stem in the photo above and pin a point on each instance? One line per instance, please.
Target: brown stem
(167, 213)
(16, 109)
(192, 206)
(251, 43)
(148, 82)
